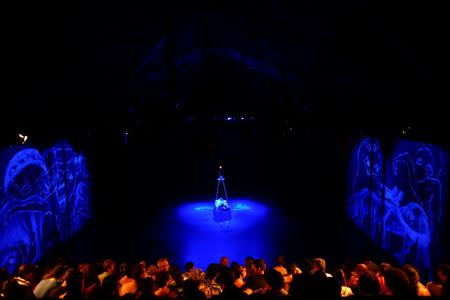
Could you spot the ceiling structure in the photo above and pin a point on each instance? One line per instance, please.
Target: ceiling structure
(314, 62)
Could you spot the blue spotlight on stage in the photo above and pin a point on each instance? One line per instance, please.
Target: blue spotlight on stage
(204, 231)
(204, 238)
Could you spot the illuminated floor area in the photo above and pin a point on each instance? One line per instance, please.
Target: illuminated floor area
(199, 238)
(188, 232)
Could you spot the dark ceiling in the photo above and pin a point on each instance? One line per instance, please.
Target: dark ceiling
(367, 63)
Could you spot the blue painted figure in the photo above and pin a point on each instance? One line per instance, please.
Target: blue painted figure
(405, 220)
(422, 180)
(44, 198)
(366, 201)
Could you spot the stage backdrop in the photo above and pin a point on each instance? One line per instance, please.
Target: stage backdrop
(44, 200)
(399, 198)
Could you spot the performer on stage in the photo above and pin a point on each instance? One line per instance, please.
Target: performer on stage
(222, 210)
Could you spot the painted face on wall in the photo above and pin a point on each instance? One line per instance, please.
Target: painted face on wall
(372, 157)
(423, 164)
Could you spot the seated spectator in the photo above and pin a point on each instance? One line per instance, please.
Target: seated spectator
(162, 283)
(443, 274)
(384, 291)
(320, 266)
(147, 290)
(256, 283)
(224, 261)
(368, 285)
(151, 271)
(127, 281)
(279, 265)
(109, 268)
(53, 279)
(19, 287)
(339, 275)
(108, 290)
(398, 283)
(191, 290)
(163, 264)
(210, 287)
(275, 283)
(176, 285)
(74, 285)
(413, 275)
(189, 268)
(354, 278)
(440, 288)
(239, 274)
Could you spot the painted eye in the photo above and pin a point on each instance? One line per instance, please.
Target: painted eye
(419, 161)
(428, 168)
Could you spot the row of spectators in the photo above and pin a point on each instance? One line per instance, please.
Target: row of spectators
(223, 279)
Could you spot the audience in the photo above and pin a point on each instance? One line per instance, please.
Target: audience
(221, 281)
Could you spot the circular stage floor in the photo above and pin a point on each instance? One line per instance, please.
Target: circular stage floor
(251, 231)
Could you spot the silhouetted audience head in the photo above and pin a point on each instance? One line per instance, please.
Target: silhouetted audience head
(162, 278)
(260, 265)
(176, 274)
(163, 264)
(212, 271)
(147, 288)
(189, 266)
(191, 290)
(443, 274)
(398, 283)
(368, 284)
(152, 270)
(26, 272)
(360, 269)
(319, 264)
(224, 261)
(109, 266)
(308, 266)
(279, 261)
(372, 267)
(384, 267)
(74, 285)
(58, 271)
(339, 275)
(412, 273)
(274, 279)
(249, 260)
(109, 287)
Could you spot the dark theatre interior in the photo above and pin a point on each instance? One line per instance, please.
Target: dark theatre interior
(286, 149)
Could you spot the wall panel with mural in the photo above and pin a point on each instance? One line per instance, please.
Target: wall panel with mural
(400, 198)
(44, 199)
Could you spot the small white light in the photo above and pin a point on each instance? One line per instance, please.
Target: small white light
(23, 138)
